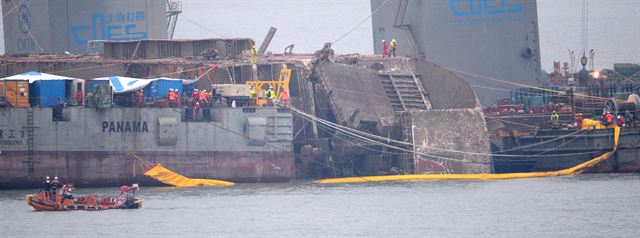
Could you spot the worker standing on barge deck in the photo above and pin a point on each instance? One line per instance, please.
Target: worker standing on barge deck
(172, 98)
(139, 97)
(554, 119)
(254, 55)
(608, 118)
(270, 95)
(620, 121)
(79, 97)
(393, 45)
(195, 96)
(579, 120)
(385, 49)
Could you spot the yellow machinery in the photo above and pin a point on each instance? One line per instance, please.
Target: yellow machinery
(260, 86)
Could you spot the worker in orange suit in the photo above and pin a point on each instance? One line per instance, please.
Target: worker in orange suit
(284, 97)
(196, 111)
(139, 97)
(385, 49)
(172, 98)
(609, 118)
(195, 96)
(79, 98)
(203, 97)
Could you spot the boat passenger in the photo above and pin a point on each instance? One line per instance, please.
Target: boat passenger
(66, 193)
(47, 187)
(55, 185)
(124, 189)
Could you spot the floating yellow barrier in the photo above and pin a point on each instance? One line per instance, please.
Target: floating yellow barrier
(164, 175)
(425, 177)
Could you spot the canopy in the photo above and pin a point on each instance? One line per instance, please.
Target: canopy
(125, 84)
(163, 78)
(164, 175)
(190, 81)
(35, 76)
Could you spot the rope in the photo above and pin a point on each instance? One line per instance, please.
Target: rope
(348, 131)
(362, 22)
(146, 164)
(270, 145)
(515, 123)
(201, 26)
(516, 84)
(343, 129)
(12, 9)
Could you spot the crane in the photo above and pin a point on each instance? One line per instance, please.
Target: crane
(174, 8)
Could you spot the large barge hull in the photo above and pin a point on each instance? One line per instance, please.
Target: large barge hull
(96, 168)
(110, 147)
(549, 150)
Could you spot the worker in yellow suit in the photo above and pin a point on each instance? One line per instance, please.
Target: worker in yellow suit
(271, 95)
(254, 55)
(554, 119)
(393, 44)
(252, 96)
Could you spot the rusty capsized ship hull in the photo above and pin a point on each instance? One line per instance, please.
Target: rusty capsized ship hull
(98, 147)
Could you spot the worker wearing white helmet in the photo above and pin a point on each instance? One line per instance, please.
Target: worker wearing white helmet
(385, 49)
(55, 185)
(47, 187)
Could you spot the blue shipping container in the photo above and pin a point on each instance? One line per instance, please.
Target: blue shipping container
(188, 89)
(47, 93)
(92, 84)
(160, 88)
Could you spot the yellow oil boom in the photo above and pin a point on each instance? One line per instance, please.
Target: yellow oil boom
(166, 176)
(424, 177)
(260, 87)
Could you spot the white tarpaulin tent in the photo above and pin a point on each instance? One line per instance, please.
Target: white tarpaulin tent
(35, 76)
(190, 81)
(125, 84)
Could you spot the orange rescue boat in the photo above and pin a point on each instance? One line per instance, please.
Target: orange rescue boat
(92, 202)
